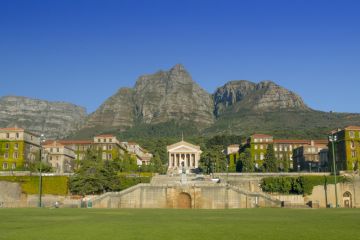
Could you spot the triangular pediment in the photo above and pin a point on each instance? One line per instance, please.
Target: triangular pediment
(183, 146)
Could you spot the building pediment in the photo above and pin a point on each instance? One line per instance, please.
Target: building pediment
(183, 149)
(184, 145)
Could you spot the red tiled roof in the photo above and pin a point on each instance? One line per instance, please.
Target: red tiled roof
(301, 141)
(290, 141)
(52, 143)
(261, 135)
(352, 128)
(105, 135)
(70, 142)
(12, 129)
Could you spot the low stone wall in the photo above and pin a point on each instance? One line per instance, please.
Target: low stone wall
(204, 196)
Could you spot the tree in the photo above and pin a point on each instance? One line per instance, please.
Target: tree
(94, 176)
(213, 159)
(270, 160)
(247, 163)
(232, 163)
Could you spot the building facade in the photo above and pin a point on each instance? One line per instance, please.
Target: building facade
(18, 148)
(142, 156)
(183, 156)
(283, 148)
(307, 157)
(60, 157)
(347, 148)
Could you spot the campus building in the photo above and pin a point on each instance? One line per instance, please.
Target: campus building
(283, 148)
(307, 157)
(142, 156)
(60, 157)
(347, 148)
(18, 148)
(183, 156)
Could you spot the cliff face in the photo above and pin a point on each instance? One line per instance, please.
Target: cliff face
(156, 98)
(54, 119)
(265, 96)
(116, 112)
(172, 95)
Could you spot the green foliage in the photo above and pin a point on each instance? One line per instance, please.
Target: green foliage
(95, 176)
(297, 185)
(56, 185)
(270, 164)
(129, 181)
(245, 163)
(213, 160)
(223, 140)
(232, 163)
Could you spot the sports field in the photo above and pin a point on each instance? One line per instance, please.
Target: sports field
(98, 224)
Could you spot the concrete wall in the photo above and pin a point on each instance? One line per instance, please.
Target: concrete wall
(204, 196)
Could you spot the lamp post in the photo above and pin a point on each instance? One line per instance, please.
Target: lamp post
(332, 139)
(42, 139)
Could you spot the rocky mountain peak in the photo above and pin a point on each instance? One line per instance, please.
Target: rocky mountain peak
(54, 119)
(265, 96)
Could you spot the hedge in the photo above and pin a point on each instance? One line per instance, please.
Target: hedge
(297, 185)
(56, 185)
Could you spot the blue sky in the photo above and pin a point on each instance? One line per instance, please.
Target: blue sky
(83, 51)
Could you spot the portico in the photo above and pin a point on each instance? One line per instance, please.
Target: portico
(183, 155)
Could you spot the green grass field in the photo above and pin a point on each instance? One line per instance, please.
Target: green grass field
(99, 224)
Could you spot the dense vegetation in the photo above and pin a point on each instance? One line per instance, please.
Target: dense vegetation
(297, 185)
(57, 185)
(95, 176)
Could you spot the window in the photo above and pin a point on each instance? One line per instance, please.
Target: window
(51, 150)
(50, 157)
(57, 150)
(6, 155)
(353, 154)
(6, 146)
(256, 157)
(352, 134)
(261, 147)
(352, 144)
(13, 165)
(109, 156)
(99, 140)
(280, 148)
(275, 149)
(285, 149)
(261, 156)
(16, 146)
(5, 165)
(15, 155)
(17, 135)
(255, 147)
(104, 140)
(110, 140)
(109, 147)
(261, 140)
(255, 140)
(7, 135)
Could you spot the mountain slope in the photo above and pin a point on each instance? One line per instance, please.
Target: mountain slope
(54, 119)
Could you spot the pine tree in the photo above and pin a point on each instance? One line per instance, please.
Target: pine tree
(270, 164)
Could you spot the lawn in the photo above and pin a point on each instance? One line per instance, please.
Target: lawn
(99, 224)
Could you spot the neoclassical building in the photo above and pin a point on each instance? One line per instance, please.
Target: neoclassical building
(183, 155)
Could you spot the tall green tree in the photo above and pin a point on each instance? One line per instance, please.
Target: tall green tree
(94, 176)
(247, 162)
(213, 160)
(270, 163)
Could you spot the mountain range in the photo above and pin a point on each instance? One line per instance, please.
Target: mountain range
(168, 102)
